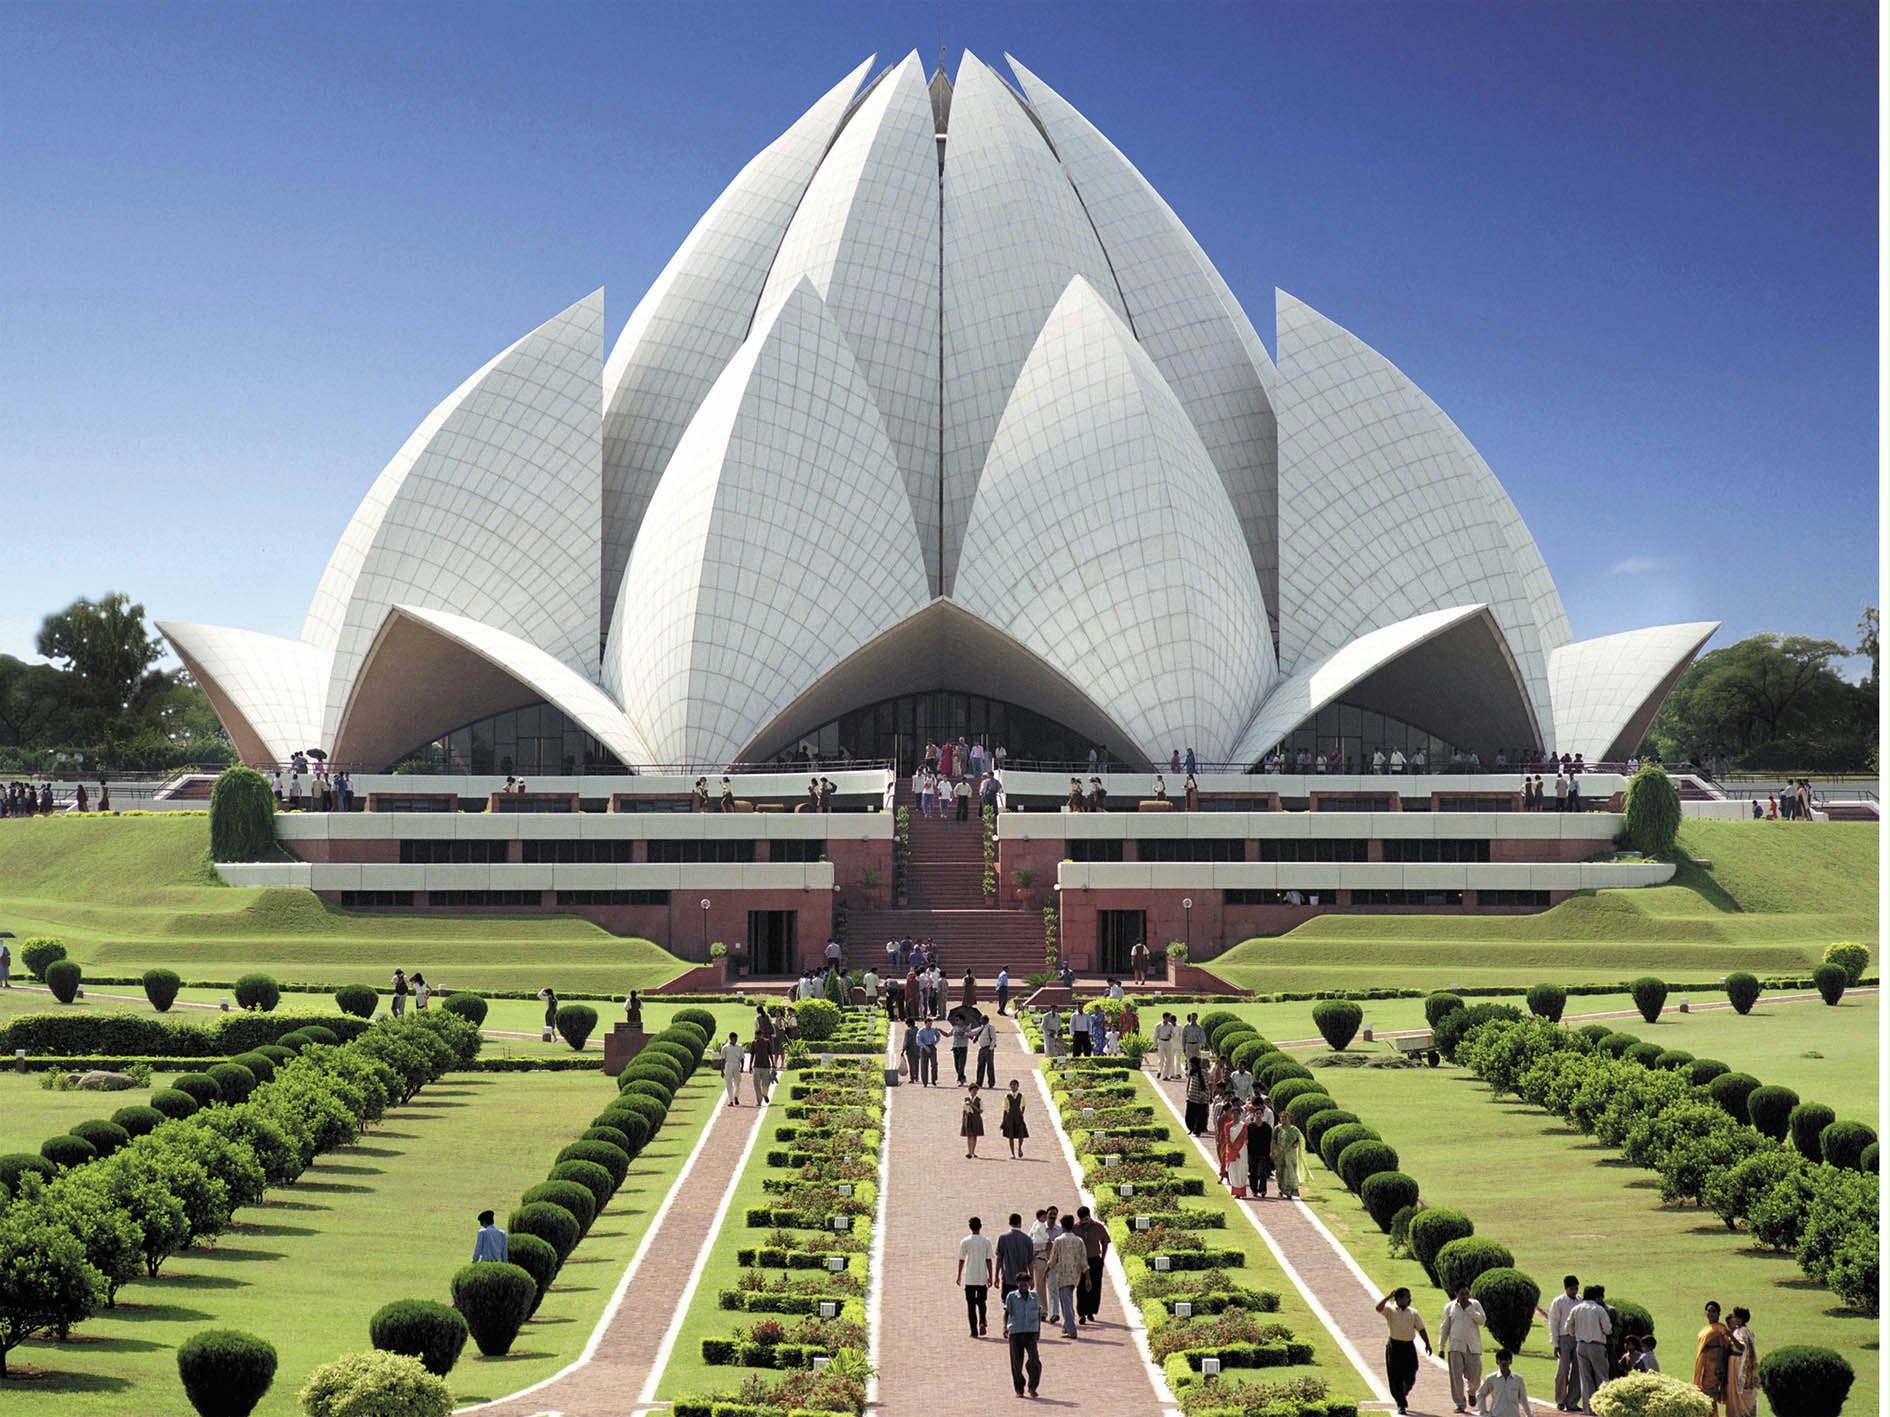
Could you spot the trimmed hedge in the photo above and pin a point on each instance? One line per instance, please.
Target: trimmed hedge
(105, 1137)
(1433, 1229)
(139, 1120)
(423, 1329)
(68, 1151)
(1830, 981)
(234, 1081)
(225, 1372)
(1509, 1298)
(1801, 1380)
(470, 1007)
(495, 1299)
(1320, 1122)
(616, 1162)
(1743, 991)
(567, 1195)
(575, 1023)
(1363, 1159)
(590, 1177)
(1462, 1260)
(358, 1000)
(1337, 1021)
(1842, 1144)
(1701, 1071)
(64, 979)
(174, 1103)
(41, 954)
(553, 1224)
(242, 816)
(1385, 1194)
(160, 987)
(1644, 1054)
(1733, 1091)
(1547, 1001)
(129, 1035)
(537, 1259)
(1851, 957)
(257, 993)
(1439, 1004)
(1770, 1110)
(1339, 1138)
(1649, 995)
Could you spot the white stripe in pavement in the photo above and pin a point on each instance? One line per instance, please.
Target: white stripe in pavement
(876, 1264)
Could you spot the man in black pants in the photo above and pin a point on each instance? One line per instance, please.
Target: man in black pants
(1095, 1237)
(1014, 1253)
(977, 1272)
(1023, 1316)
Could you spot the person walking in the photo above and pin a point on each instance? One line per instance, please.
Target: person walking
(928, 1055)
(489, 1243)
(1041, 1232)
(968, 991)
(971, 1122)
(761, 1068)
(1011, 1124)
(1502, 1393)
(1069, 1265)
(1742, 1382)
(1196, 1113)
(961, 1044)
(1138, 961)
(1003, 987)
(1461, 1334)
(1095, 1237)
(1404, 1327)
(1713, 1359)
(548, 994)
(1567, 1386)
(909, 1046)
(732, 1056)
(1193, 1038)
(402, 990)
(1079, 1033)
(422, 991)
(977, 1273)
(1289, 1146)
(1590, 1327)
(984, 1039)
(1023, 1318)
(6, 966)
(1260, 1147)
(1167, 1049)
(1014, 1255)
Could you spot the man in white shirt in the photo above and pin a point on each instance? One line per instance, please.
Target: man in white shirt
(1503, 1393)
(1040, 1246)
(870, 982)
(732, 1055)
(1242, 1082)
(1167, 1048)
(977, 1272)
(1461, 1337)
(1193, 1039)
(1590, 1327)
(1079, 1033)
(1566, 1392)
(1003, 988)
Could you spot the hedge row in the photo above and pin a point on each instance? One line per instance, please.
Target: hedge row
(142, 1036)
(1703, 1144)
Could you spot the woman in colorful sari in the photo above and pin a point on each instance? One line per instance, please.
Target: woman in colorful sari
(1288, 1144)
(1232, 1139)
(1712, 1362)
(1742, 1379)
(1197, 1111)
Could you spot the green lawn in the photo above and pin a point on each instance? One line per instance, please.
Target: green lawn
(1564, 1204)
(30, 1113)
(391, 1218)
(1773, 896)
(128, 893)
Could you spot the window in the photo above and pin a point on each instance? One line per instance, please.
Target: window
(376, 900)
(1094, 849)
(1427, 898)
(457, 853)
(670, 853)
(1476, 804)
(388, 802)
(1355, 804)
(1259, 897)
(485, 898)
(534, 804)
(1311, 849)
(578, 853)
(802, 851)
(1402, 849)
(1532, 898)
(1222, 848)
(613, 898)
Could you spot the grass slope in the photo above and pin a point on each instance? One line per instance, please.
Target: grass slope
(128, 893)
(389, 1219)
(1773, 896)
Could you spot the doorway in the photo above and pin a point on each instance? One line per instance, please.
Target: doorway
(1117, 932)
(771, 941)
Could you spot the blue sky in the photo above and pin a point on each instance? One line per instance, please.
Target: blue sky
(1631, 249)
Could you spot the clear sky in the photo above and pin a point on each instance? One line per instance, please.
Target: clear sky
(1631, 248)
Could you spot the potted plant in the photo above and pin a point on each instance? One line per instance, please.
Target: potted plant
(1025, 877)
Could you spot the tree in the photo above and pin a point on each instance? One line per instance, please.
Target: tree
(106, 643)
(1867, 640)
(1769, 700)
(34, 699)
(45, 1281)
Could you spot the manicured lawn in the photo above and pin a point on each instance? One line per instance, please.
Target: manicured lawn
(30, 1113)
(128, 893)
(1564, 1204)
(1774, 896)
(391, 1218)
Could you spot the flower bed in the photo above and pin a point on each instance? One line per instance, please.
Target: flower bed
(1225, 1397)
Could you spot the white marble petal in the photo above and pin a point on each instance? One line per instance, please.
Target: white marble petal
(1607, 690)
(267, 691)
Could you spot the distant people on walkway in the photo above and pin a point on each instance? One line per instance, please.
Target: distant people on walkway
(928, 1054)
(1590, 1326)
(1015, 1253)
(1193, 1038)
(1003, 987)
(1502, 1393)
(1404, 1329)
(1011, 1124)
(984, 1040)
(1742, 1380)
(971, 1122)
(1069, 1266)
(732, 1056)
(977, 1273)
(6, 966)
(489, 1243)
(1562, 1344)
(1289, 1146)
(402, 989)
(1023, 1317)
(1461, 1334)
(1196, 1114)
(1712, 1362)
(1095, 1237)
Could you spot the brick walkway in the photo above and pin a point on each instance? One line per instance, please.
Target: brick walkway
(926, 1358)
(618, 1367)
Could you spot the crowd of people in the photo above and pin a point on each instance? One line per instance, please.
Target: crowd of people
(1050, 1273)
(1791, 803)
(1381, 760)
(23, 799)
(313, 788)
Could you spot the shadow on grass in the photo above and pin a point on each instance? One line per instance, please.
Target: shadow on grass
(376, 1151)
(155, 1313)
(235, 1255)
(396, 1136)
(276, 1230)
(351, 1170)
(201, 1281)
(33, 1379)
(340, 1188)
(117, 1343)
(273, 1203)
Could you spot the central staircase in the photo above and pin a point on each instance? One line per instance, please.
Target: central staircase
(945, 904)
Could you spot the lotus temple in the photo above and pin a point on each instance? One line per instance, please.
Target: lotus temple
(938, 424)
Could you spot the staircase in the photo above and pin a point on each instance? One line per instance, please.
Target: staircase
(945, 904)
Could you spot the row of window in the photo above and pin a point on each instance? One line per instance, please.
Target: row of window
(1458, 850)
(1324, 849)
(404, 900)
(427, 852)
(613, 898)
(1430, 898)
(1512, 897)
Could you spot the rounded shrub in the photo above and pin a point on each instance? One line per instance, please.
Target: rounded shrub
(655, 1091)
(1462, 1260)
(357, 999)
(276, 1053)
(1702, 1071)
(496, 1298)
(1801, 1380)
(1249, 1051)
(1649, 994)
(40, 954)
(421, 1328)
(1401, 1227)
(1439, 1004)
(1743, 991)
(242, 817)
(1644, 1054)
(376, 1384)
(470, 1007)
(1277, 1068)
(105, 1137)
(1851, 957)
(1508, 1297)
(174, 1103)
(16, 1164)
(235, 1081)
(1594, 1033)
(319, 1033)
(1210, 1020)
(1830, 981)
(693, 1034)
(1617, 1043)
(203, 1088)
(1867, 1159)
(591, 1177)
(1731, 1091)
(1333, 1145)
(1365, 1158)
(68, 1151)
(1385, 1194)
(139, 1120)
(1807, 1121)
(1842, 1144)
(1458, 1023)
(1282, 1094)
(261, 1066)
(701, 1018)
(818, 1018)
(1434, 1228)
(1671, 1060)
(661, 1073)
(1227, 1028)
(1318, 1123)
(1337, 1021)
(575, 1023)
(64, 978)
(1547, 1001)
(537, 1259)
(225, 1372)
(160, 987)
(1770, 1110)
(684, 1057)
(257, 992)
(636, 1116)
(1650, 815)
(1631, 1320)
(616, 1162)
(618, 1139)
(567, 1194)
(553, 1224)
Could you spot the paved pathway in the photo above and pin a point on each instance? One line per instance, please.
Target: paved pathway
(624, 1355)
(926, 1358)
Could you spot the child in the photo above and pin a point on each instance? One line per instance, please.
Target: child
(1647, 1362)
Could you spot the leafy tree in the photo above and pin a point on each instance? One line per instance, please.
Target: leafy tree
(1769, 700)
(106, 643)
(45, 1282)
(34, 698)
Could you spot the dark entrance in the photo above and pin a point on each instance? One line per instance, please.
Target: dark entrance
(771, 939)
(1116, 934)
